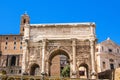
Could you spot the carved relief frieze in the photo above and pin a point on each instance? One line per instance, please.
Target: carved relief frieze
(83, 42)
(83, 54)
(83, 49)
(50, 48)
(34, 53)
(53, 44)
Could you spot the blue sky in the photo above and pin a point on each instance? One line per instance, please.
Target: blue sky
(105, 13)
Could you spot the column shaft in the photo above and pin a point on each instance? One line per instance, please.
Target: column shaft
(74, 56)
(16, 63)
(93, 73)
(24, 57)
(43, 55)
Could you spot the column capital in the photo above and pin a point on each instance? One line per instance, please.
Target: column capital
(44, 41)
(74, 41)
(92, 39)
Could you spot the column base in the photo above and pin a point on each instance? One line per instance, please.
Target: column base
(24, 73)
(74, 75)
(93, 75)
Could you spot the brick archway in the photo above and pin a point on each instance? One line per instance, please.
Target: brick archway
(57, 61)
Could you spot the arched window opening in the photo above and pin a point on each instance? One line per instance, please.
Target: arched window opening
(24, 21)
(23, 29)
(13, 61)
(111, 66)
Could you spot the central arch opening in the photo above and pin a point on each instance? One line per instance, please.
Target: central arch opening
(59, 64)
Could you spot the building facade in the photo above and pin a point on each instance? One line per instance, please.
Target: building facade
(11, 53)
(107, 55)
(48, 48)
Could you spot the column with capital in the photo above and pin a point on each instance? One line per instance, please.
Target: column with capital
(92, 51)
(74, 57)
(25, 45)
(43, 55)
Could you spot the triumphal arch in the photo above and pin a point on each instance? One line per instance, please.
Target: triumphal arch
(48, 48)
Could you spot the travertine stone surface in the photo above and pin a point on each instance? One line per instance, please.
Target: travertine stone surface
(71, 39)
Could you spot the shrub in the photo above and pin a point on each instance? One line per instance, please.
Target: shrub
(4, 72)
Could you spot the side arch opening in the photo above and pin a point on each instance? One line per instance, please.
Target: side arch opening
(35, 69)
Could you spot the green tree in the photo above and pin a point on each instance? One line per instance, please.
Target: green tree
(66, 71)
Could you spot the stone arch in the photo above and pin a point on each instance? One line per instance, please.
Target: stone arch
(83, 70)
(34, 69)
(55, 60)
(61, 49)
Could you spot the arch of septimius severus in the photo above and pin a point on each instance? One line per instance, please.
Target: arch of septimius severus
(46, 46)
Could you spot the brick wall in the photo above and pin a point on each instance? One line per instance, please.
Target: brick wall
(55, 66)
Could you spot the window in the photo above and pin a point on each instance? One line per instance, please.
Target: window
(111, 60)
(23, 29)
(21, 43)
(110, 50)
(14, 38)
(20, 47)
(11, 71)
(19, 71)
(13, 60)
(6, 43)
(6, 38)
(24, 21)
(5, 47)
(14, 43)
(111, 66)
(14, 47)
(104, 65)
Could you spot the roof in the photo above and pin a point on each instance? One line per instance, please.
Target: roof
(86, 23)
(108, 41)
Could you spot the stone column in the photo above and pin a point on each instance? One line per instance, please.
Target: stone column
(43, 55)
(16, 61)
(74, 57)
(92, 51)
(24, 57)
(9, 60)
